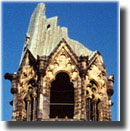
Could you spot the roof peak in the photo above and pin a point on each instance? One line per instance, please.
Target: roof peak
(41, 6)
(45, 35)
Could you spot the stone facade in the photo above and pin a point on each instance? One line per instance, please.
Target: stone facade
(41, 62)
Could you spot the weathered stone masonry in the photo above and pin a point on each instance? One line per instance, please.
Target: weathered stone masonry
(49, 52)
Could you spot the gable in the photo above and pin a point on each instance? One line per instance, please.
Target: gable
(62, 59)
(64, 51)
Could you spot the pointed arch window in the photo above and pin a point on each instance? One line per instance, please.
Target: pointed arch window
(62, 97)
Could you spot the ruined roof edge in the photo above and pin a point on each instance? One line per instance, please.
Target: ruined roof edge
(44, 35)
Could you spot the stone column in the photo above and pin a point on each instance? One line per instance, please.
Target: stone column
(28, 107)
(88, 109)
(104, 107)
(83, 71)
(75, 83)
(40, 102)
(19, 116)
(42, 64)
(109, 110)
(14, 107)
(14, 92)
(77, 108)
(46, 100)
(83, 100)
(100, 111)
(34, 96)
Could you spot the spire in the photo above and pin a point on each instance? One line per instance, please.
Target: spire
(38, 12)
(45, 34)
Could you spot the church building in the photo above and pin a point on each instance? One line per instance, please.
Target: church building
(58, 78)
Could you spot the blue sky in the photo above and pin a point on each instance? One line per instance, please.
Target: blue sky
(93, 24)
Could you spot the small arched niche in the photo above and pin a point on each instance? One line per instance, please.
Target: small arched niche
(62, 97)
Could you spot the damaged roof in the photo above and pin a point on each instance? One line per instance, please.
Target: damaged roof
(44, 35)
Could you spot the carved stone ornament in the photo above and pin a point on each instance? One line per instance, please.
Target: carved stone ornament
(59, 79)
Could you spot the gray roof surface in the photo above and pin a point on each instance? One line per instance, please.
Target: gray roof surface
(45, 35)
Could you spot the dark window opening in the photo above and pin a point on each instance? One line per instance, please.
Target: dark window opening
(61, 97)
(48, 26)
(93, 83)
(94, 112)
(30, 114)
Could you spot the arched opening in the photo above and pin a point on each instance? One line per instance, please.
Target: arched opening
(62, 97)
(92, 106)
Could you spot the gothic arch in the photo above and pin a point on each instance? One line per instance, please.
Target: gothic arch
(63, 61)
(92, 100)
(77, 92)
(62, 97)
